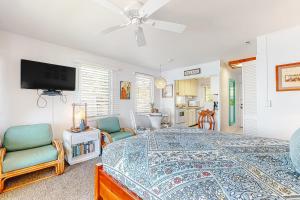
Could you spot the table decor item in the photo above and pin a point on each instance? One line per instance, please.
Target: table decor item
(79, 118)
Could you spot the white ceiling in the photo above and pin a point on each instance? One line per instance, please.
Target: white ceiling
(216, 29)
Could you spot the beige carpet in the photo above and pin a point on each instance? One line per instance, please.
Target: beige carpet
(77, 183)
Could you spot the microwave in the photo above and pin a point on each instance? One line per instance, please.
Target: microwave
(193, 103)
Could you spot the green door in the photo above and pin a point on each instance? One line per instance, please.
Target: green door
(231, 87)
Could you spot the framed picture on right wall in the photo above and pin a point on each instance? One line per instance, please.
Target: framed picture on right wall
(288, 77)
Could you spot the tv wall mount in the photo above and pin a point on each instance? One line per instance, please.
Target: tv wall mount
(51, 93)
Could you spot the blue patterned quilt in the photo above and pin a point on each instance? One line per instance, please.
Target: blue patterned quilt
(188, 164)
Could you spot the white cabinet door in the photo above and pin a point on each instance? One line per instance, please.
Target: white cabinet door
(177, 87)
(181, 88)
(194, 87)
(192, 117)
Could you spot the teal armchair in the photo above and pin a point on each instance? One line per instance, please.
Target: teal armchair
(27, 149)
(111, 130)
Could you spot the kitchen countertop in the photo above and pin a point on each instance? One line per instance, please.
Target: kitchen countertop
(189, 108)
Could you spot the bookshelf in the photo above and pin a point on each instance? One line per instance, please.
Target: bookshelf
(82, 146)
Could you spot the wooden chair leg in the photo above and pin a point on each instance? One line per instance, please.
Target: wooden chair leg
(60, 168)
(2, 185)
(57, 169)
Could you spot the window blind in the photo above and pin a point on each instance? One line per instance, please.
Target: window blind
(144, 92)
(95, 89)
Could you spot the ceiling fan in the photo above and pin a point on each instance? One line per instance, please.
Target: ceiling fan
(138, 14)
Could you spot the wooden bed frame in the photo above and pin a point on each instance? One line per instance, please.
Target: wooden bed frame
(108, 188)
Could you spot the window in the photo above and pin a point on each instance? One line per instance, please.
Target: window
(95, 90)
(144, 92)
(208, 95)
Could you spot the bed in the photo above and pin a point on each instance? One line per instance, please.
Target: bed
(187, 164)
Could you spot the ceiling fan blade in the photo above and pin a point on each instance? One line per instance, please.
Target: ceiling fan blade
(140, 37)
(113, 28)
(109, 5)
(151, 6)
(166, 26)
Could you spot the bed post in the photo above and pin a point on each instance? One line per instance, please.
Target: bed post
(107, 188)
(97, 182)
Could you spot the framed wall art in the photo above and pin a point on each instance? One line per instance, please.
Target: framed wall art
(167, 92)
(288, 77)
(125, 87)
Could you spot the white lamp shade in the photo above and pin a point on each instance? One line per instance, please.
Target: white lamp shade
(160, 83)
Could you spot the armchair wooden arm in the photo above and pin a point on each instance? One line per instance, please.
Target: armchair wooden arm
(60, 168)
(2, 154)
(107, 135)
(128, 130)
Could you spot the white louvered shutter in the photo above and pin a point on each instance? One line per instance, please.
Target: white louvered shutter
(95, 85)
(250, 100)
(144, 92)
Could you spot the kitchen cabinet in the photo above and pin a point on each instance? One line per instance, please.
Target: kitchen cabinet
(177, 87)
(181, 85)
(192, 120)
(187, 87)
(194, 87)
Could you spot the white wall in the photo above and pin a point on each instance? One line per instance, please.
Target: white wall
(211, 69)
(226, 74)
(18, 106)
(282, 117)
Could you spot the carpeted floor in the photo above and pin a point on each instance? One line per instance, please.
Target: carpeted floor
(77, 183)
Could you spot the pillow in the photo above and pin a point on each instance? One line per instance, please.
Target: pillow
(109, 124)
(27, 137)
(295, 150)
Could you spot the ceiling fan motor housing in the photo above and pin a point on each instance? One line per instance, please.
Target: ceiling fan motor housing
(137, 13)
(132, 13)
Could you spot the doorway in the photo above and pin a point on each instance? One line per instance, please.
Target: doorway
(246, 99)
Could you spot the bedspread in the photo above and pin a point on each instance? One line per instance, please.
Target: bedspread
(188, 164)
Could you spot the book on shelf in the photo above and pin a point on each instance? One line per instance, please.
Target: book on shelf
(83, 148)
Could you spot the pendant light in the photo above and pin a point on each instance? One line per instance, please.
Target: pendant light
(160, 82)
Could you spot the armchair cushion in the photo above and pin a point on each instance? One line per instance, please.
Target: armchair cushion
(26, 137)
(120, 135)
(27, 158)
(109, 124)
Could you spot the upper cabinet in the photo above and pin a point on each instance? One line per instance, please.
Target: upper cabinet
(187, 87)
(194, 87)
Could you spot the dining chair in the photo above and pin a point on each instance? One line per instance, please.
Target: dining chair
(206, 117)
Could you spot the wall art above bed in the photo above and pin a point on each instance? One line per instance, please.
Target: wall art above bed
(288, 77)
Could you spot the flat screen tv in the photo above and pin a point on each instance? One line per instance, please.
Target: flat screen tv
(37, 75)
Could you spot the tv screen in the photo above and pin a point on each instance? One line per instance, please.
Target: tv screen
(37, 75)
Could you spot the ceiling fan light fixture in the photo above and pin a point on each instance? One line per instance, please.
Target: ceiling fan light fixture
(140, 37)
